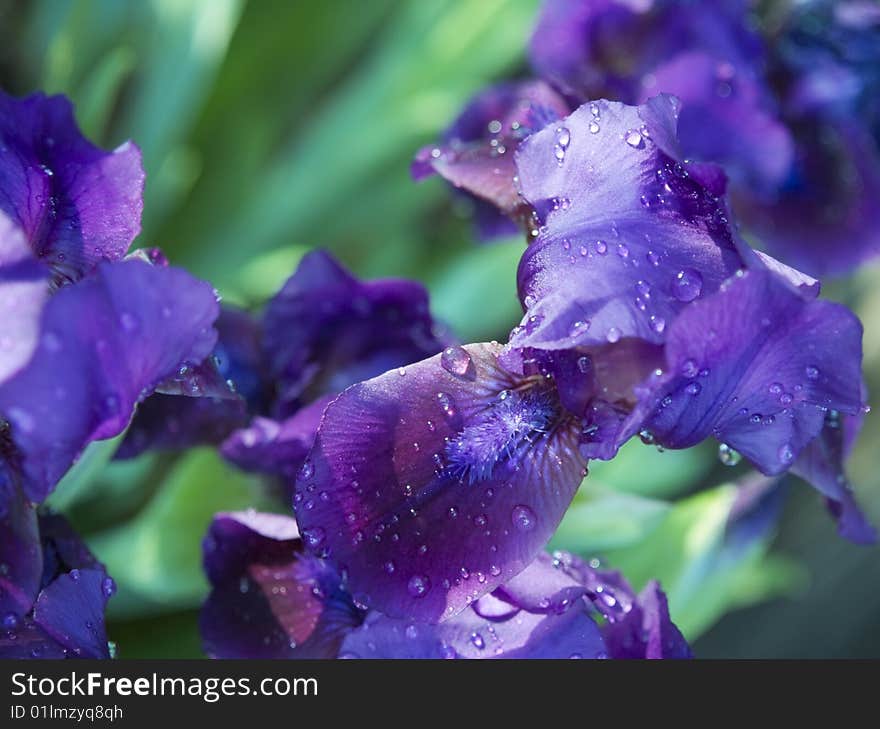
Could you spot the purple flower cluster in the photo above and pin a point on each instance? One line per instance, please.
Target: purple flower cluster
(271, 598)
(87, 332)
(791, 115)
(427, 477)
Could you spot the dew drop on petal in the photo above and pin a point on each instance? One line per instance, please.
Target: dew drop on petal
(418, 585)
(728, 456)
(687, 284)
(455, 360)
(786, 454)
(634, 139)
(523, 518)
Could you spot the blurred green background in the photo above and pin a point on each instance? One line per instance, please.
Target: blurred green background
(270, 127)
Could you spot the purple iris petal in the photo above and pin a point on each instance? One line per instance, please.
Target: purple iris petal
(433, 484)
(279, 448)
(821, 464)
(540, 613)
(476, 153)
(105, 343)
(326, 330)
(77, 205)
(268, 598)
(824, 219)
(66, 617)
(23, 293)
(592, 48)
(725, 118)
(628, 236)
(70, 610)
(635, 626)
(569, 634)
(170, 422)
(20, 553)
(646, 631)
(218, 394)
(758, 367)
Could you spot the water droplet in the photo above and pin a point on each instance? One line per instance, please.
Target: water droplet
(523, 518)
(634, 139)
(563, 137)
(10, 621)
(390, 567)
(455, 360)
(728, 456)
(446, 403)
(687, 284)
(658, 324)
(785, 453)
(478, 641)
(812, 372)
(613, 335)
(313, 536)
(594, 127)
(584, 364)
(689, 368)
(693, 388)
(601, 247)
(108, 586)
(418, 585)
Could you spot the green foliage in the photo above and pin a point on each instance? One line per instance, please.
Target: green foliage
(156, 556)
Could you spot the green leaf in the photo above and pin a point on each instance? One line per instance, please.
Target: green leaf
(702, 573)
(475, 293)
(645, 470)
(156, 557)
(600, 520)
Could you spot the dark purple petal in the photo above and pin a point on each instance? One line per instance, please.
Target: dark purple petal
(70, 610)
(646, 631)
(52, 590)
(824, 219)
(569, 634)
(217, 393)
(821, 464)
(268, 598)
(21, 558)
(628, 236)
(476, 153)
(105, 343)
(757, 366)
(267, 446)
(726, 119)
(593, 48)
(326, 330)
(63, 549)
(433, 484)
(28, 641)
(77, 205)
(170, 422)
